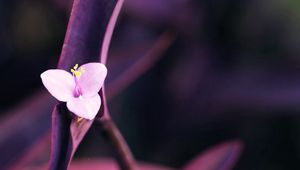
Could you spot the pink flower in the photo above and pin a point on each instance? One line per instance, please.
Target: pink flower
(79, 89)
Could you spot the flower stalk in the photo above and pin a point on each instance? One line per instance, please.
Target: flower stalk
(125, 157)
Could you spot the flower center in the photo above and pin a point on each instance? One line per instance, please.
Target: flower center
(77, 91)
(77, 73)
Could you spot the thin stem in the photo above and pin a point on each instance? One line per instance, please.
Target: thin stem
(142, 65)
(109, 31)
(124, 155)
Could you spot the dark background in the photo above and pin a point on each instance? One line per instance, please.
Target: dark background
(231, 73)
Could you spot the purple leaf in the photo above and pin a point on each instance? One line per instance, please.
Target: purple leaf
(67, 133)
(88, 35)
(86, 30)
(61, 147)
(220, 157)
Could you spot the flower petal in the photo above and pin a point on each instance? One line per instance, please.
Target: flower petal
(85, 107)
(92, 78)
(59, 83)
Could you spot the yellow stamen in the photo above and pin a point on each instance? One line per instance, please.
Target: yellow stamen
(75, 67)
(77, 73)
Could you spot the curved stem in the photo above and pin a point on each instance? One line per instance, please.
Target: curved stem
(142, 65)
(109, 31)
(124, 155)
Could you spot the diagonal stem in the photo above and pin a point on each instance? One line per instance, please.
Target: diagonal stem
(124, 155)
(142, 65)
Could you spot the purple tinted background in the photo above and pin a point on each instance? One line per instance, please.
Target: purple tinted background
(232, 72)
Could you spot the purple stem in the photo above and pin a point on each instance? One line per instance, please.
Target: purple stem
(109, 31)
(124, 156)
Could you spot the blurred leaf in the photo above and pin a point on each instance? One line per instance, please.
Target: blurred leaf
(109, 164)
(133, 63)
(265, 91)
(38, 152)
(179, 14)
(105, 164)
(25, 124)
(220, 157)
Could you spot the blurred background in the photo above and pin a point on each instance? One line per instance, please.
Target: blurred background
(230, 70)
